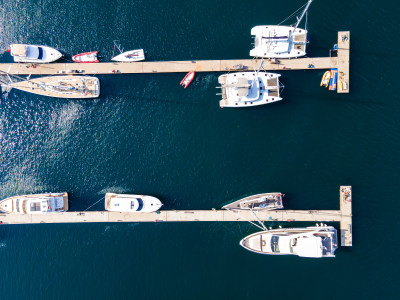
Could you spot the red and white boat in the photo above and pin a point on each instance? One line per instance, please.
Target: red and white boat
(187, 79)
(86, 57)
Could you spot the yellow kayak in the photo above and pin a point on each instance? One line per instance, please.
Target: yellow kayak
(325, 79)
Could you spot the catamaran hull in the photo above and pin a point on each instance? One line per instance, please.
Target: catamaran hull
(274, 42)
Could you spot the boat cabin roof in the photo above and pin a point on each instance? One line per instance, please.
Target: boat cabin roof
(19, 50)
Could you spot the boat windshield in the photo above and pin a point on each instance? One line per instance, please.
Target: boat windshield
(40, 56)
(140, 202)
(275, 244)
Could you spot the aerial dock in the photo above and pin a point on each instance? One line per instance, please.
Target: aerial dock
(341, 62)
(343, 216)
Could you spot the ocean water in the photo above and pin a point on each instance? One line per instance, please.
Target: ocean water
(147, 135)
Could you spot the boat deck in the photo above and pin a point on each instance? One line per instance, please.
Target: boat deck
(343, 56)
(341, 62)
(343, 216)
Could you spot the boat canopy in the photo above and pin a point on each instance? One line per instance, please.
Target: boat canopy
(34, 52)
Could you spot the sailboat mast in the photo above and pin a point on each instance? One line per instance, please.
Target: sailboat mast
(301, 17)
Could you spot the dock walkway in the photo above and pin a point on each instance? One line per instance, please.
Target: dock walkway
(341, 62)
(343, 216)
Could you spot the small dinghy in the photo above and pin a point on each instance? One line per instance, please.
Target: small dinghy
(86, 57)
(130, 56)
(267, 201)
(131, 203)
(187, 79)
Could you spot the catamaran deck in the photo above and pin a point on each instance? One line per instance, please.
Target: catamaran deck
(341, 62)
(343, 216)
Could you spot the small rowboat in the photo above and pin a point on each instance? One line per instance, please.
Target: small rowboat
(86, 57)
(325, 79)
(130, 56)
(187, 79)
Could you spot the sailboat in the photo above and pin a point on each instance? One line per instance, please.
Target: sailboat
(65, 86)
(276, 41)
(266, 201)
(128, 56)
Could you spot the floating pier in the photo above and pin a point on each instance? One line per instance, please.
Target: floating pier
(341, 62)
(343, 216)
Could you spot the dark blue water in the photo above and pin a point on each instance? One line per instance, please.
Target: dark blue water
(147, 135)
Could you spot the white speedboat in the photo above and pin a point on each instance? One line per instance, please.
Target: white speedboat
(131, 203)
(267, 201)
(35, 204)
(65, 86)
(130, 56)
(305, 242)
(280, 41)
(246, 89)
(34, 53)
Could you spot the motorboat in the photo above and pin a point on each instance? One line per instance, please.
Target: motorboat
(34, 53)
(131, 203)
(266, 201)
(86, 57)
(187, 79)
(130, 56)
(35, 204)
(65, 86)
(245, 89)
(316, 241)
(277, 41)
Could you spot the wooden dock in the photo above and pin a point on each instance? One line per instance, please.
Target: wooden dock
(343, 216)
(341, 62)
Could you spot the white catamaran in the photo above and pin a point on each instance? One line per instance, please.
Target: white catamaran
(278, 41)
(245, 89)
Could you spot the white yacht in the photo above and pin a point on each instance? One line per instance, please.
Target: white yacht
(64, 86)
(245, 89)
(280, 41)
(266, 201)
(131, 203)
(35, 204)
(34, 53)
(317, 241)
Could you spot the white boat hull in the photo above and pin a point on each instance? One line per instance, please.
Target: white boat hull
(130, 56)
(313, 242)
(266, 201)
(131, 203)
(34, 53)
(35, 204)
